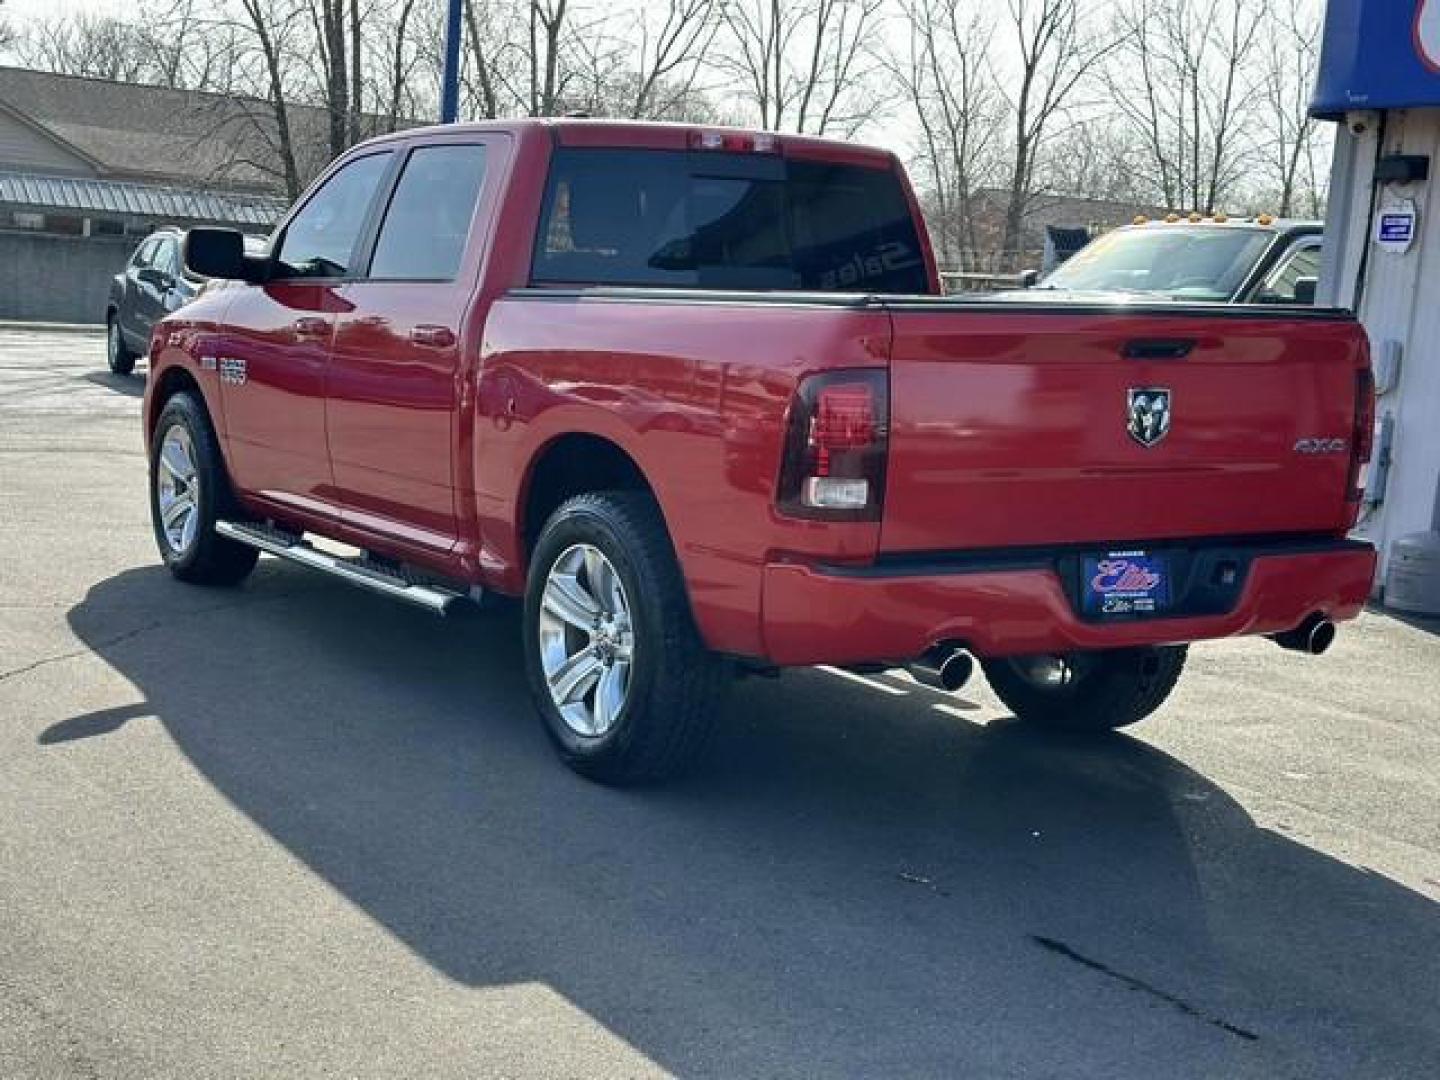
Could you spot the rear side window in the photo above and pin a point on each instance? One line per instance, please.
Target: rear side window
(725, 221)
(428, 220)
(320, 239)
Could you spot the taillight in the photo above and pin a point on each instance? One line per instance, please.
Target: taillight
(835, 446)
(1362, 441)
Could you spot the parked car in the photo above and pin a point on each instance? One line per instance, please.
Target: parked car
(1257, 260)
(153, 284)
(694, 396)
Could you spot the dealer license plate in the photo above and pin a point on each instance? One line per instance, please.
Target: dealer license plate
(1125, 583)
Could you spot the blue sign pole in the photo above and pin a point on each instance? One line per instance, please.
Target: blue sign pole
(450, 81)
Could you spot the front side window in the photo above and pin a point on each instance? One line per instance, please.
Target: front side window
(165, 260)
(145, 253)
(320, 239)
(1302, 263)
(428, 220)
(725, 221)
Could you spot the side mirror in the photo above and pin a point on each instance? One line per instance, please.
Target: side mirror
(1305, 290)
(220, 253)
(1028, 278)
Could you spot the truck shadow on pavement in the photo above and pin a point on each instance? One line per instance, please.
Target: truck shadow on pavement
(856, 884)
(132, 385)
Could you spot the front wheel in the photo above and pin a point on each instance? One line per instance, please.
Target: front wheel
(625, 687)
(117, 353)
(189, 492)
(1087, 691)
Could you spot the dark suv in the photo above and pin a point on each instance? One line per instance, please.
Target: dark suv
(152, 285)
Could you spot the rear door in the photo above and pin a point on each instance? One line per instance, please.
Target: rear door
(396, 372)
(276, 347)
(1046, 426)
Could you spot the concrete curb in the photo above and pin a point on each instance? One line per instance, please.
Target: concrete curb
(54, 327)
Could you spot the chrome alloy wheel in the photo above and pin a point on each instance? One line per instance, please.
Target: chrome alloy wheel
(177, 489)
(587, 640)
(114, 342)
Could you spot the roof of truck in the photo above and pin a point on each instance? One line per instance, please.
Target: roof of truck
(658, 135)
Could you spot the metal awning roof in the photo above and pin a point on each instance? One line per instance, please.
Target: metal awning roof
(142, 200)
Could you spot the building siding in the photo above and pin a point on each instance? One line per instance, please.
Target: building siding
(1397, 303)
(23, 148)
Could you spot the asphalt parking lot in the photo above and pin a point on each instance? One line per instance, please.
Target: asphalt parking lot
(293, 830)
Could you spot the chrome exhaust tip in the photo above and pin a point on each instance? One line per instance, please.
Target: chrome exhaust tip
(1314, 636)
(942, 667)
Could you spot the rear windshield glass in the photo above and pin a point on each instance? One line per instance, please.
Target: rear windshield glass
(725, 221)
(1204, 263)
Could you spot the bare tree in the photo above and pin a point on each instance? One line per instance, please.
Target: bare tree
(958, 110)
(668, 55)
(1056, 52)
(1183, 81)
(804, 65)
(273, 24)
(95, 46)
(547, 37)
(1287, 71)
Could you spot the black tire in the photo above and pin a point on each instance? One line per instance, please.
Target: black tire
(117, 353)
(209, 559)
(1105, 690)
(675, 684)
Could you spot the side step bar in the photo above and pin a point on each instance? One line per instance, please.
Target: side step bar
(429, 597)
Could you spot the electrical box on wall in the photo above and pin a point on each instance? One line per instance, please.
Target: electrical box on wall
(1402, 168)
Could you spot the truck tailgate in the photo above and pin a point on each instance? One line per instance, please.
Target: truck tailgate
(1013, 427)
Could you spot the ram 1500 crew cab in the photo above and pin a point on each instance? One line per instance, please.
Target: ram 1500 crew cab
(694, 396)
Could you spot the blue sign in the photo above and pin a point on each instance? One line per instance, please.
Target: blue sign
(1378, 54)
(1396, 228)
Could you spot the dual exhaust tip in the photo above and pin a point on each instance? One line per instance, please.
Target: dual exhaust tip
(948, 668)
(942, 667)
(1313, 637)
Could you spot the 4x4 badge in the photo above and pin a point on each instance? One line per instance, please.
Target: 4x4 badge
(1148, 413)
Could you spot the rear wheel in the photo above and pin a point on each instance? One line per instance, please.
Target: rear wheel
(189, 492)
(117, 353)
(1087, 691)
(625, 687)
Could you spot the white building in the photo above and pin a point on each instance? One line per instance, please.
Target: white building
(1380, 80)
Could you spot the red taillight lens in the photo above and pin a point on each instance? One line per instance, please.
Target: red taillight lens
(1362, 441)
(835, 447)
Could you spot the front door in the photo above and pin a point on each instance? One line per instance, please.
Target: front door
(273, 355)
(396, 369)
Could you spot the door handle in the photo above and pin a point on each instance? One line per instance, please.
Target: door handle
(1158, 348)
(434, 337)
(311, 327)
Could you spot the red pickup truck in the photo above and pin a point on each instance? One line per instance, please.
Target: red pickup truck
(695, 395)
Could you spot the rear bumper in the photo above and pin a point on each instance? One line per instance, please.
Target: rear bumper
(815, 615)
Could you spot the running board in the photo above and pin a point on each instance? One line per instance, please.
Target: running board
(273, 542)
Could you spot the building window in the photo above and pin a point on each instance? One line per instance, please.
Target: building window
(23, 220)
